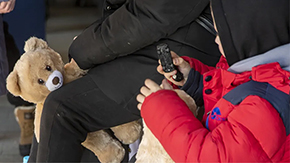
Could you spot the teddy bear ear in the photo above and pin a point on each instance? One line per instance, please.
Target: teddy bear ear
(12, 84)
(34, 43)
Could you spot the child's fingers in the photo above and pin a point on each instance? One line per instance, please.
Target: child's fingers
(166, 85)
(140, 98)
(177, 60)
(174, 55)
(139, 106)
(169, 75)
(160, 70)
(145, 91)
(151, 85)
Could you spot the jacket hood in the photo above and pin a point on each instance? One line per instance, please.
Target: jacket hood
(280, 54)
(251, 27)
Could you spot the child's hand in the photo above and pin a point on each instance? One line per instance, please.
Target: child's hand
(150, 87)
(181, 64)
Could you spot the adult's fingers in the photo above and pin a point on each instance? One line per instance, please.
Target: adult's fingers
(6, 7)
(3, 7)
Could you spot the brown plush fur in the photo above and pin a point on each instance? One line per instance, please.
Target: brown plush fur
(150, 149)
(23, 82)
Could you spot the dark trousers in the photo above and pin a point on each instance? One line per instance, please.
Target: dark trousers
(87, 155)
(69, 115)
(13, 55)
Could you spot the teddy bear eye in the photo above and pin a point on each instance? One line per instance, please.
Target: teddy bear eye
(40, 81)
(48, 68)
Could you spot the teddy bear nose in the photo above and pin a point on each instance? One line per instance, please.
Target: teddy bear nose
(55, 80)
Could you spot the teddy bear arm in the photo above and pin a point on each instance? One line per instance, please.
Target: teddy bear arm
(129, 132)
(72, 71)
(104, 147)
(150, 149)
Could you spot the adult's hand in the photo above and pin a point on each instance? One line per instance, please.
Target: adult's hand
(7, 6)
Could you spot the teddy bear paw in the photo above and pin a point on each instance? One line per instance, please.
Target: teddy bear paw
(129, 132)
(113, 153)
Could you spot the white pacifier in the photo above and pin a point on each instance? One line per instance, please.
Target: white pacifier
(54, 81)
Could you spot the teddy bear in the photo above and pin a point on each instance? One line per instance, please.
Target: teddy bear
(150, 149)
(41, 70)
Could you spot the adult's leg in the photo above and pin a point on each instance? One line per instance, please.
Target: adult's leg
(70, 113)
(33, 150)
(24, 111)
(104, 98)
(17, 31)
(3, 60)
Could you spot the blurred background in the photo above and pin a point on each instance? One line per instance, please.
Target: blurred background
(56, 21)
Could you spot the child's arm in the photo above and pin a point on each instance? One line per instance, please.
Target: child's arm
(186, 140)
(184, 65)
(192, 70)
(194, 83)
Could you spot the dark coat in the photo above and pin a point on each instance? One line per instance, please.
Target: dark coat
(120, 48)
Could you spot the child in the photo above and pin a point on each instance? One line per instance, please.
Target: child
(246, 97)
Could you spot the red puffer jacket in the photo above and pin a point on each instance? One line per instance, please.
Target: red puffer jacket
(242, 120)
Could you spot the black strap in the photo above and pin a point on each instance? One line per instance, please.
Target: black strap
(206, 23)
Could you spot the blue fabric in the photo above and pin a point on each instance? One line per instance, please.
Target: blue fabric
(278, 99)
(194, 86)
(26, 20)
(280, 54)
(25, 159)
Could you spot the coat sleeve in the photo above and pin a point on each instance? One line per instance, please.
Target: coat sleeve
(134, 25)
(186, 140)
(194, 83)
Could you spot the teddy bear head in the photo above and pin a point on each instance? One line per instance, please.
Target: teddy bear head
(38, 72)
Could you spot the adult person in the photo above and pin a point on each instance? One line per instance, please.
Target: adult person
(246, 97)
(27, 19)
(6, 6)
(120, 51)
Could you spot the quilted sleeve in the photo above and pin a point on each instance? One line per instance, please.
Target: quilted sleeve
(187, 140)
(134, 25)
